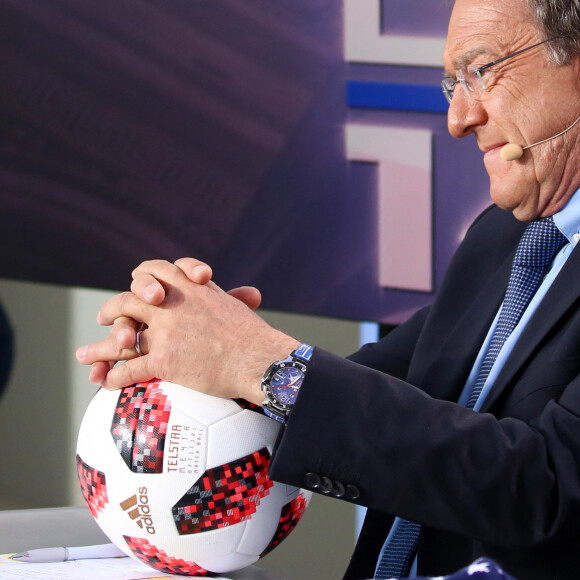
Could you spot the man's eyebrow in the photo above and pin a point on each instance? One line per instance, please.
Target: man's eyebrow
(467, 58)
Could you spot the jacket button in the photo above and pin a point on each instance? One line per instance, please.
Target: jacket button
(312, 480)
(352, 492)
(338, 489)
(326, 485)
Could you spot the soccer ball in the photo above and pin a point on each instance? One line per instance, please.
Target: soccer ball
(178, 479)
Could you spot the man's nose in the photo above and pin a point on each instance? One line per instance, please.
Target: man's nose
(465, 114)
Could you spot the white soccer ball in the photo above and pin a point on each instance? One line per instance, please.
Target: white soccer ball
(178, 479)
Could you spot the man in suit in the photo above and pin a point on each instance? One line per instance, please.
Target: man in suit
(392, 427)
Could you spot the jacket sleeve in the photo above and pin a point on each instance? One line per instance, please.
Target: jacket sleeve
(393, 353)
(497, 480)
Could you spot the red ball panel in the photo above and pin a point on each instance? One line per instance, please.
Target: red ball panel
(225, 495)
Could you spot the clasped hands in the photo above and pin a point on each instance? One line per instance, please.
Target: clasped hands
(191, 332)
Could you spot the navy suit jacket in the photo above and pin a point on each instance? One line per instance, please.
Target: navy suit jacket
(503, 483)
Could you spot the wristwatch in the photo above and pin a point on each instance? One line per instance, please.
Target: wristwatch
(282, 381)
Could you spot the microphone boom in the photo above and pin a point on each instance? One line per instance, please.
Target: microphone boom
(513, 151)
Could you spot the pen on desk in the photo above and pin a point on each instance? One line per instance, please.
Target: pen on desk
(45, 555)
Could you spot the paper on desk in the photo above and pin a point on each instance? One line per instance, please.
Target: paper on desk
(101, 569)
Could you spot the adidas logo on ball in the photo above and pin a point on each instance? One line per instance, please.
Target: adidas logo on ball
(137, 508)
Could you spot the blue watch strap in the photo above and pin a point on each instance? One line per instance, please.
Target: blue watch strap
(304, 351)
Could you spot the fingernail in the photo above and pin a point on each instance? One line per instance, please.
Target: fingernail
(121, 335)
(199, 270)
(150, 291)
(92, 376)
(82, 353)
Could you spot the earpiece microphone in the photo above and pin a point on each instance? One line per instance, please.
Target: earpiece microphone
(513, 151)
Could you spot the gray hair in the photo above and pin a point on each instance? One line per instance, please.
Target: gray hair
(559, 19)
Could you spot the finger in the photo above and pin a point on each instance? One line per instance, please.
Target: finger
(125, 332)
(160, 270)
(125, 305)
(106, 351)
(128, 373)
(197, 271)
(99, 372)
(148, 288)
(151, 290)
(249, 295)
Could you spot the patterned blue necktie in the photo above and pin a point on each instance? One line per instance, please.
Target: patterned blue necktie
(398, 552)
(539, 244)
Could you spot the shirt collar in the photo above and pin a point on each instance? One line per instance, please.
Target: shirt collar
(567, 219)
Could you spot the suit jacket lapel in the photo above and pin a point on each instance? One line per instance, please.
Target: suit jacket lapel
(563, 292)
(442, 380)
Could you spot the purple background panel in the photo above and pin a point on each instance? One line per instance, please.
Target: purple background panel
(137, 130)
(133, 130)
(415, 17)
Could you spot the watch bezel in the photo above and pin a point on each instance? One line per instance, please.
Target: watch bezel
(271, 403)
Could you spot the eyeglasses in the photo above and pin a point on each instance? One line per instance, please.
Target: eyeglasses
(469, 77)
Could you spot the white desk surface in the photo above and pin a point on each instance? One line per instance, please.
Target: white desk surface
(72, 526)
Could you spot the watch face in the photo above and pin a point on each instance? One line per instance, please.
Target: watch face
(285, 384)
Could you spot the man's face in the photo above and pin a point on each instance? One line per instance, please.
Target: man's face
(527, 100)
